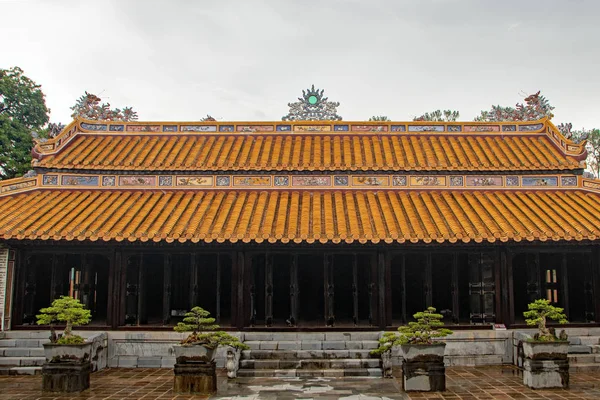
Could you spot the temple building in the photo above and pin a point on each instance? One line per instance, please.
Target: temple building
(309, 223)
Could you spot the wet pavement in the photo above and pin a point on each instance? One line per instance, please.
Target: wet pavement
(462, 383)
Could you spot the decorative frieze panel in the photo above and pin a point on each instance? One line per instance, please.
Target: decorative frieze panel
(79, 180)
(427, 181)
(198, 128)
(539, 181)
(137, 180)
(311, 181)
(308, 182)
(484, 181)
(143, 128)
(194, 181)
(252, 181)
(50, 180)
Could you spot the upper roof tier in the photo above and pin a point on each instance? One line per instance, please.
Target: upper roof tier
(310, 146)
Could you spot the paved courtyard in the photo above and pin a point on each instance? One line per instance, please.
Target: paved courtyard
(463, 383)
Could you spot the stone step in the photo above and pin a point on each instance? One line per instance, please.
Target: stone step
(304, 354)
(312, 373)
(312, 345)
(27, 334)
(327, 336)
(20, 370)
(579, 349)
(21, 351)
(342, 363)
(588, 340)
(23, 342)
(595, 367)
(22, 361)
(595, 349)
(584, 358)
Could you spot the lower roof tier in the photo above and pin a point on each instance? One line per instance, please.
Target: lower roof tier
(301, 216)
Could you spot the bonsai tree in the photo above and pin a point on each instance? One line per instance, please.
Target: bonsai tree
(427, 327)
(65, 309)
(203, 331)
(539, 312)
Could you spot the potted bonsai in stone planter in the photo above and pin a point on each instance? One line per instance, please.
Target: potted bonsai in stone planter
(68, 356)
(546, 362)
(195, 368)
(423, 357)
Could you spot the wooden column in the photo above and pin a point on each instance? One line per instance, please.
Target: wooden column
(294, 291)
(86, 285)
(381, 311)
(537, 277)
(55, 292)
(193, 302)
(268, 289)
(29, 290)
(497, 288)
(122, 262)
(503, 289)
(374, 291)
(596, 279)
(403, 287)
(241, 315)
(218, 290)
(19, 287)
(167, 275)
(141, 292)
(114, 293)
(388, 289)
(454, 289)
(329, 290)
(565, 284)
(510, 285)
(428, 281)
(355, 290)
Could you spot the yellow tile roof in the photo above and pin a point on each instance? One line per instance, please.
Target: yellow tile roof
(310, 153)
(301, 216)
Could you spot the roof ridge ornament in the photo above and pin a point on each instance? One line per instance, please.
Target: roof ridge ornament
(313, 106)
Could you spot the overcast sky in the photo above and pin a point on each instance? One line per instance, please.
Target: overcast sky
(246, 59)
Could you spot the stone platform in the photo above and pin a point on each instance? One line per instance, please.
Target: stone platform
(462, 383)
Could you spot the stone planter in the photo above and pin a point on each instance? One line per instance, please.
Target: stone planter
(65, 353)
(546, 364)
(193, 354)
(67, 367)
(195, 370)
(423, 367)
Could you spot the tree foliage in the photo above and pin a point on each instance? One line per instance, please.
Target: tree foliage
(593, 147)
(540, 311)
(379, 118)
(88, 106)
(536, 107)
(439, 115)
(69, 310)
(203, 331)
(592, 138)
(22, 110)
(428, 326)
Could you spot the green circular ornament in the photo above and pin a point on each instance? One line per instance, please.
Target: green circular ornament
(313, 99)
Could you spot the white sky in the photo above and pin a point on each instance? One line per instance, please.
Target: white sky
(246, 59)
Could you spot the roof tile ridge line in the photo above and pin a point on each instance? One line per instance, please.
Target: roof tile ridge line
(75, 123)
(580, 184)
(582, 145)
(18, 179)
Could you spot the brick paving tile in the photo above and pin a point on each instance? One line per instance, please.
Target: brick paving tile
(156, 384)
